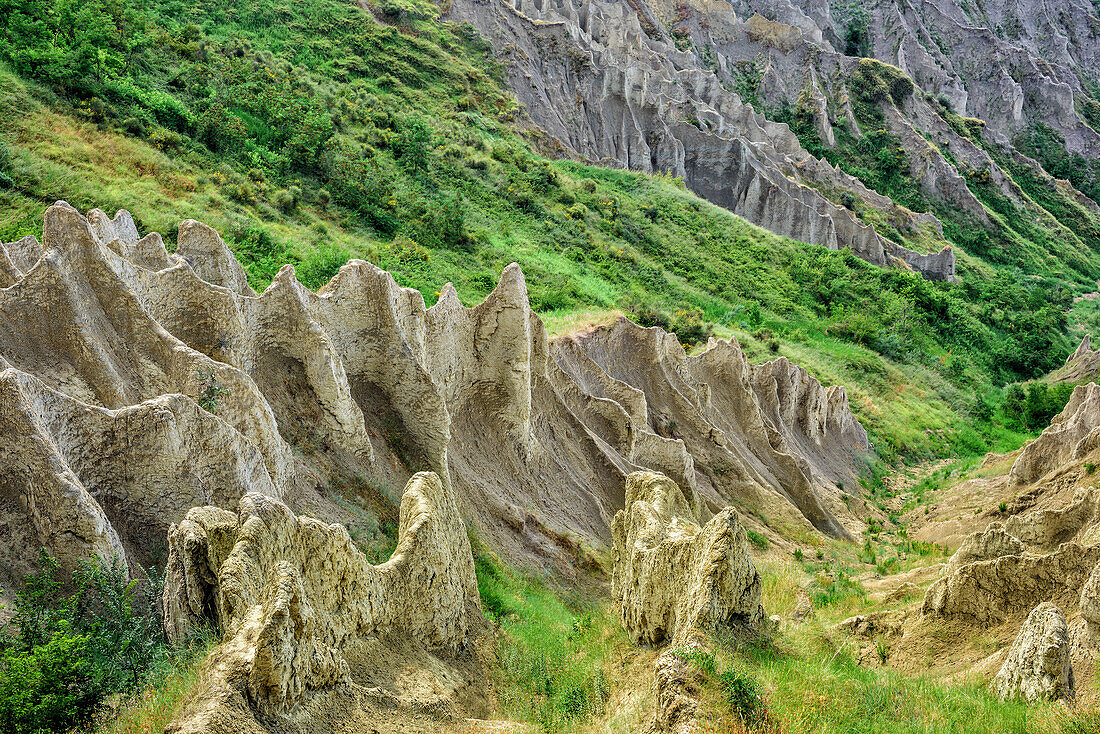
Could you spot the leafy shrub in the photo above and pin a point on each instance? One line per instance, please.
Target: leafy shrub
(1032, 408)
(49, 687)
(578, 211)
(166, 109)
(648, 316)
(75, 644)
(6, 181)
(285, 201)
(450, 224)
(689, 326)
(759, 540)
(262, 255)
(163, 139)
(406, 250)
(411, 146)
(134, 126)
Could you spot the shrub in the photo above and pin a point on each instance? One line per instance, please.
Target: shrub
(6, 181)
(743, 696)
(689, 326)
(49, 687)
(134, 126)
(406, 250)
(450, 224)
(72, 650)
(242, 192)
(163, 139)
(284, 201)
(649, 316)
(411, 146)
(759, 540)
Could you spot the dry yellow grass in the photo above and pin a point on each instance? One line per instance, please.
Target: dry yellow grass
(150, 710)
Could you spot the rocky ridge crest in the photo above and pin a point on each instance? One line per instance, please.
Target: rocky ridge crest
(112, 411)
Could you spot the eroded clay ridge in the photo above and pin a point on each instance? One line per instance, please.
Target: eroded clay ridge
(296, 603)
(1072, 435)
(674, 580)
(610, 83)
(109, 348)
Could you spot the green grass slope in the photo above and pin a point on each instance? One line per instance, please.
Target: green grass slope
(391, 138)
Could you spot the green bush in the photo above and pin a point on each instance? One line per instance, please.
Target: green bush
(759, 540)
(690, 328)
(134, 126)
(743, 696)
(51, 686)
(1031, 409)
(73, 644)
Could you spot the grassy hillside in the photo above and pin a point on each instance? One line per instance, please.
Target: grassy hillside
(391, 138)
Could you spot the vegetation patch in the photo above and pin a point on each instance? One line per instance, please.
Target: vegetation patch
(73, 643)
(554, 655)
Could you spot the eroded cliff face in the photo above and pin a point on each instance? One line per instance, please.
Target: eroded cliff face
(608, 82)
(1082, 365)
(299, 607)
(1072, 434)
(137, 384)
(1006, 63)
(674, 580)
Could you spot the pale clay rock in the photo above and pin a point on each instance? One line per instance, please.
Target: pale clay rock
(530, 440)
(1071, 435)
(1082, 365)
(1090, 601)
(674, 579)
(288, 594)
(1037, 667)
(535, 437)
(608, 83)
(1010, 567)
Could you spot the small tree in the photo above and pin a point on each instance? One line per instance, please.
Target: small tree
(1012, 405)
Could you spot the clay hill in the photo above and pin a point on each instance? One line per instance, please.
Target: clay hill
(154, 406)
(1024, 577)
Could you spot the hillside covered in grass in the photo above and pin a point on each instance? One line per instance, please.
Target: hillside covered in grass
(392, 138)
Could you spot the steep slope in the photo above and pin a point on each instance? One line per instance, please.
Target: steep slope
(876, 157)
(414, 156)
(164, 382)
(1006, 63)
(593, 76)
